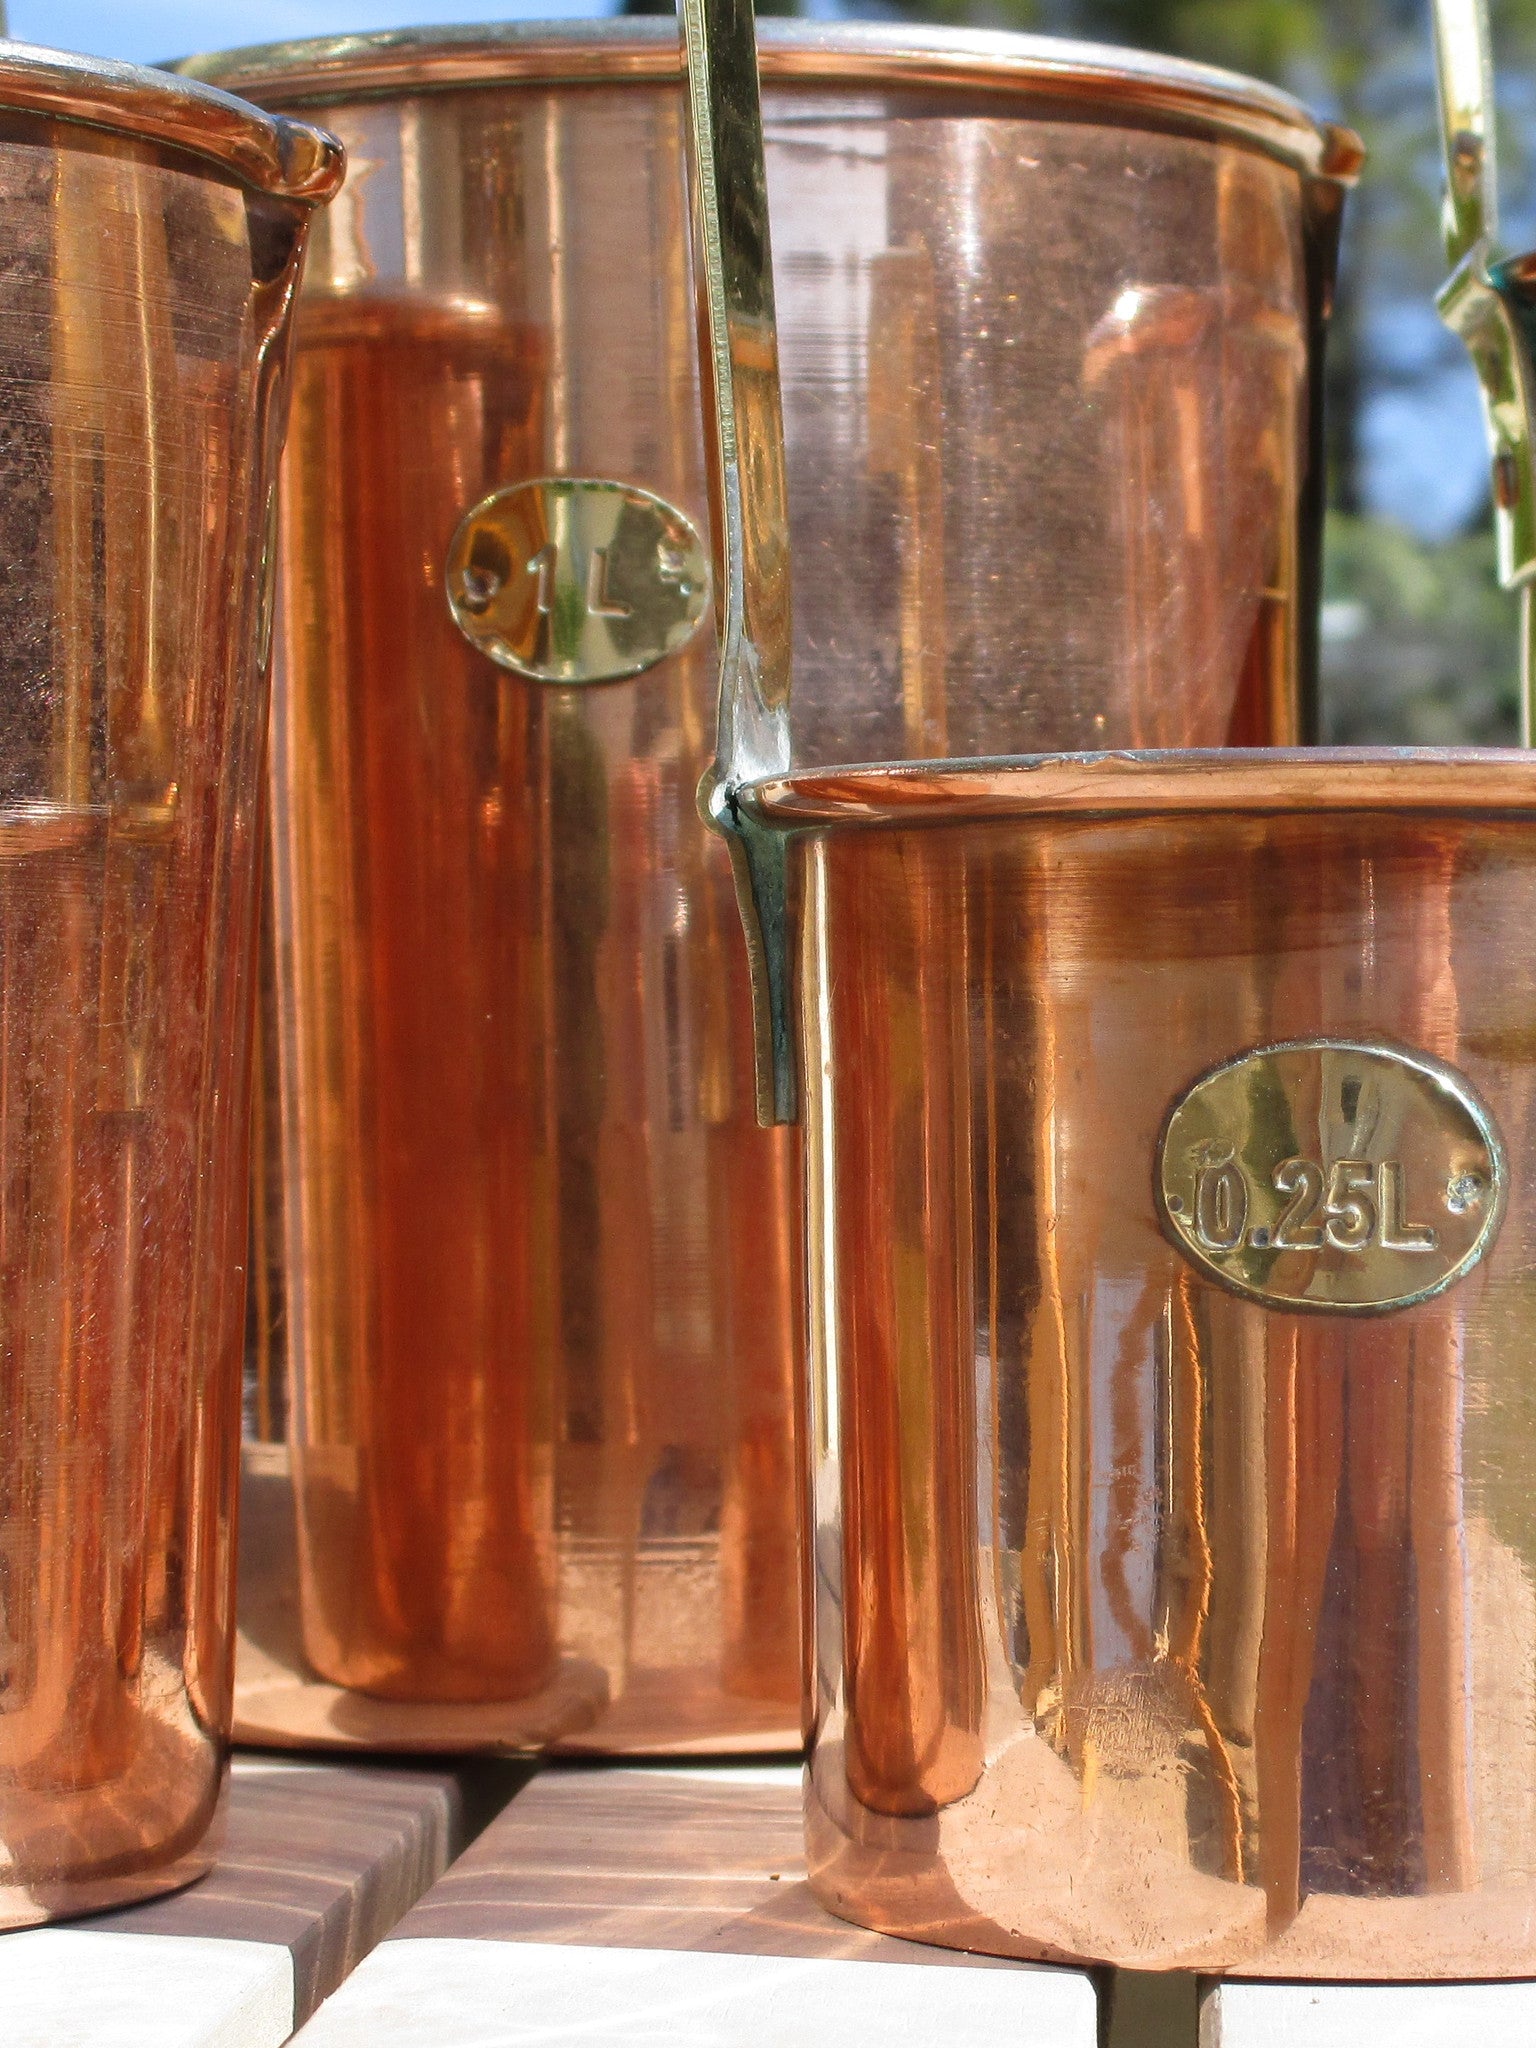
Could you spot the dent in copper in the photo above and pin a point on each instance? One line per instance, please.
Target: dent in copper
(145, 301)
(1156, 1626)
(525, 1404)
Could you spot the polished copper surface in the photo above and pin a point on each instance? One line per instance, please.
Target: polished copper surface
(1154, 1625)
(1048, 343)
(144, 304)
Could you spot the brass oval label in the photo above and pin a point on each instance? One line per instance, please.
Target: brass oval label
(1322, 1174)
(572, 579)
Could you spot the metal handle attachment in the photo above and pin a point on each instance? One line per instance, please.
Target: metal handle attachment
(1490, 301)
(745, 432)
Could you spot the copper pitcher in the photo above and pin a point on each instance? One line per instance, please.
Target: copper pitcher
(521, 1457)
(154, 236)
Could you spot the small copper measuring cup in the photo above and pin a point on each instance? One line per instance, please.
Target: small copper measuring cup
(1169, 1123)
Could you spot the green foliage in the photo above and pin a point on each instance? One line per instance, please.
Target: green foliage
(1419, 641)
(1265, 37)
(1269, 38)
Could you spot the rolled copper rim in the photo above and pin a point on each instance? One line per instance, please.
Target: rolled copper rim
(1252, 781)
(285, 158)
(1077, 79)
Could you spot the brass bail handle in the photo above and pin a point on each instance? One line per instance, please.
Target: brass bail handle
(1490, 301)
(744, 432)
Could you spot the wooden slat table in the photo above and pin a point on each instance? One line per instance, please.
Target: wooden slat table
(319, 1861)
(649, 1905)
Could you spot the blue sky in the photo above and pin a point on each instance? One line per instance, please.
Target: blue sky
(151, 29)
(1424, 461)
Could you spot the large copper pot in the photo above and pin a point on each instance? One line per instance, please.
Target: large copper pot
(521, 1426)
(1170, 1131)
(154, 233)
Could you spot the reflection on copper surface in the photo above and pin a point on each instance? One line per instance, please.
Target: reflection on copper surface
(906, 443)
(913, 1659)
(424, 1483)
(1199, 387)
(144, 306)
(505, 945)
(1253, 1591)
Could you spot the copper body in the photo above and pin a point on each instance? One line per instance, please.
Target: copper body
(522, 1458)
(151, 261)
(1156, 1626)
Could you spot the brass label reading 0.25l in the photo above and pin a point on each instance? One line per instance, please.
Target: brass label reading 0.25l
(1322, 1174)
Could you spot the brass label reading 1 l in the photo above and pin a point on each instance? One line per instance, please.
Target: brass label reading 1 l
(1323, 1174)
(572, 579)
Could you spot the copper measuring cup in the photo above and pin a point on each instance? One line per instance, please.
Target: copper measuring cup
(1170, 1157)
(521, 1455)
(155, 232)
(1170, 1228)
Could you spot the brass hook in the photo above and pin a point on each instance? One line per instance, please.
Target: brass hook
(1490, 301)
(745, 434)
